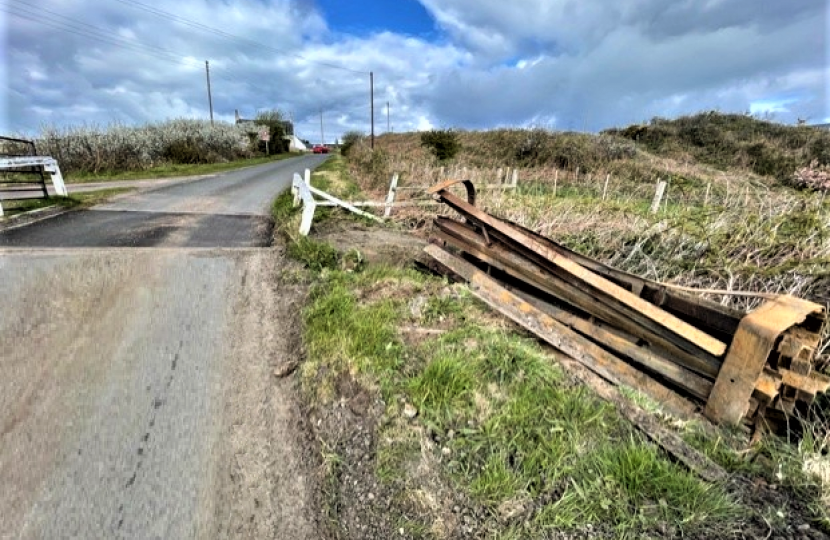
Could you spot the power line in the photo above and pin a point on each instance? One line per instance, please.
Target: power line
(63, 23)
(77, 28)
(194, 24)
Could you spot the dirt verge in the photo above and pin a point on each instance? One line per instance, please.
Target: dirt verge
(268, 483)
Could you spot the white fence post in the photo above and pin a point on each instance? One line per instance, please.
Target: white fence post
(390, 197)
(515, 178)
(605, 187)
(301, 189)
(57, 178)
(658, 196)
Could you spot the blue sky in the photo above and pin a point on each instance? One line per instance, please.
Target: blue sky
(363, 17)
(562, 64)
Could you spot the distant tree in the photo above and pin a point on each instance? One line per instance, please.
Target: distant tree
(349, 140)
(275, 121)
(443, 143)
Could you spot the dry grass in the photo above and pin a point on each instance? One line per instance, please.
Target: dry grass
(716, 229)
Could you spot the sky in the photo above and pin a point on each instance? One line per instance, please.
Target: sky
(582, 65)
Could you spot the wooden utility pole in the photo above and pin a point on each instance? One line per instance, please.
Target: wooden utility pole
(210, 98)
(387, 118)
(322, 134)
(372, 107)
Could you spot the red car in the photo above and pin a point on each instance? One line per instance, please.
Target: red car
(320, 149)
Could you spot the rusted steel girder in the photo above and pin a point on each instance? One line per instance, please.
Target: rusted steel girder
(636, 306)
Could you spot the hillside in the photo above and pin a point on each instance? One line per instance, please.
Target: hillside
(729, 141)
(722, 224)
(696, 150)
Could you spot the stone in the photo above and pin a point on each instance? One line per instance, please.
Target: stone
(410, 411)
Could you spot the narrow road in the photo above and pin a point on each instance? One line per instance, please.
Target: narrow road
(227, 210)
(137, 396)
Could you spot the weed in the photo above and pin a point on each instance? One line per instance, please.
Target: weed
(314, 254)
(444, 387)
(733, 140)
(283, 207)
(350, 138)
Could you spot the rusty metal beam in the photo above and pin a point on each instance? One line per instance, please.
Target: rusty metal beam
(705, 313)
(558, 335)
(683, 378)
(466, 239)
(670, 442)
(626, 298)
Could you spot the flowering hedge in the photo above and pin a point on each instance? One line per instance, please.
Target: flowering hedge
(117, 147)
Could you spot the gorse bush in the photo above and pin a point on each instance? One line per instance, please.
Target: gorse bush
(350, 138)
(563, 150)
(92, 149)
(443, 143)
(734, 141)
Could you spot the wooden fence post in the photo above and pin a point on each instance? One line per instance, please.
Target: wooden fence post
(514, 181)
(706, 197)
(555, 180)
(390, 197)
(605, 187)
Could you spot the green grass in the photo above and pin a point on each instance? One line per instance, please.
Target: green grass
(515, 428)
(629, 485)
(77, 200)
(172, 170)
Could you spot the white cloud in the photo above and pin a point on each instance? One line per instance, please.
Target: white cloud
(570, 63)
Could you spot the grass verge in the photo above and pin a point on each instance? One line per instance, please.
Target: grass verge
(78, 200)
(498, 428)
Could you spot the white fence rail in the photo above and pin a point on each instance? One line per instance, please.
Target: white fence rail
(304, 193)
(49, 164)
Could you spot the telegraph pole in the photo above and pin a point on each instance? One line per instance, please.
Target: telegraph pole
(387, 117)
(210, 98)
(322, 135)
(372, 99)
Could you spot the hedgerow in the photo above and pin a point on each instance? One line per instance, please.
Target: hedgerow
(95, 149)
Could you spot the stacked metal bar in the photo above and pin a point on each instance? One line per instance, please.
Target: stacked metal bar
(737, 367)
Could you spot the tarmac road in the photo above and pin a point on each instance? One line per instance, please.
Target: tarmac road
(227, 210)
(136, 391)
